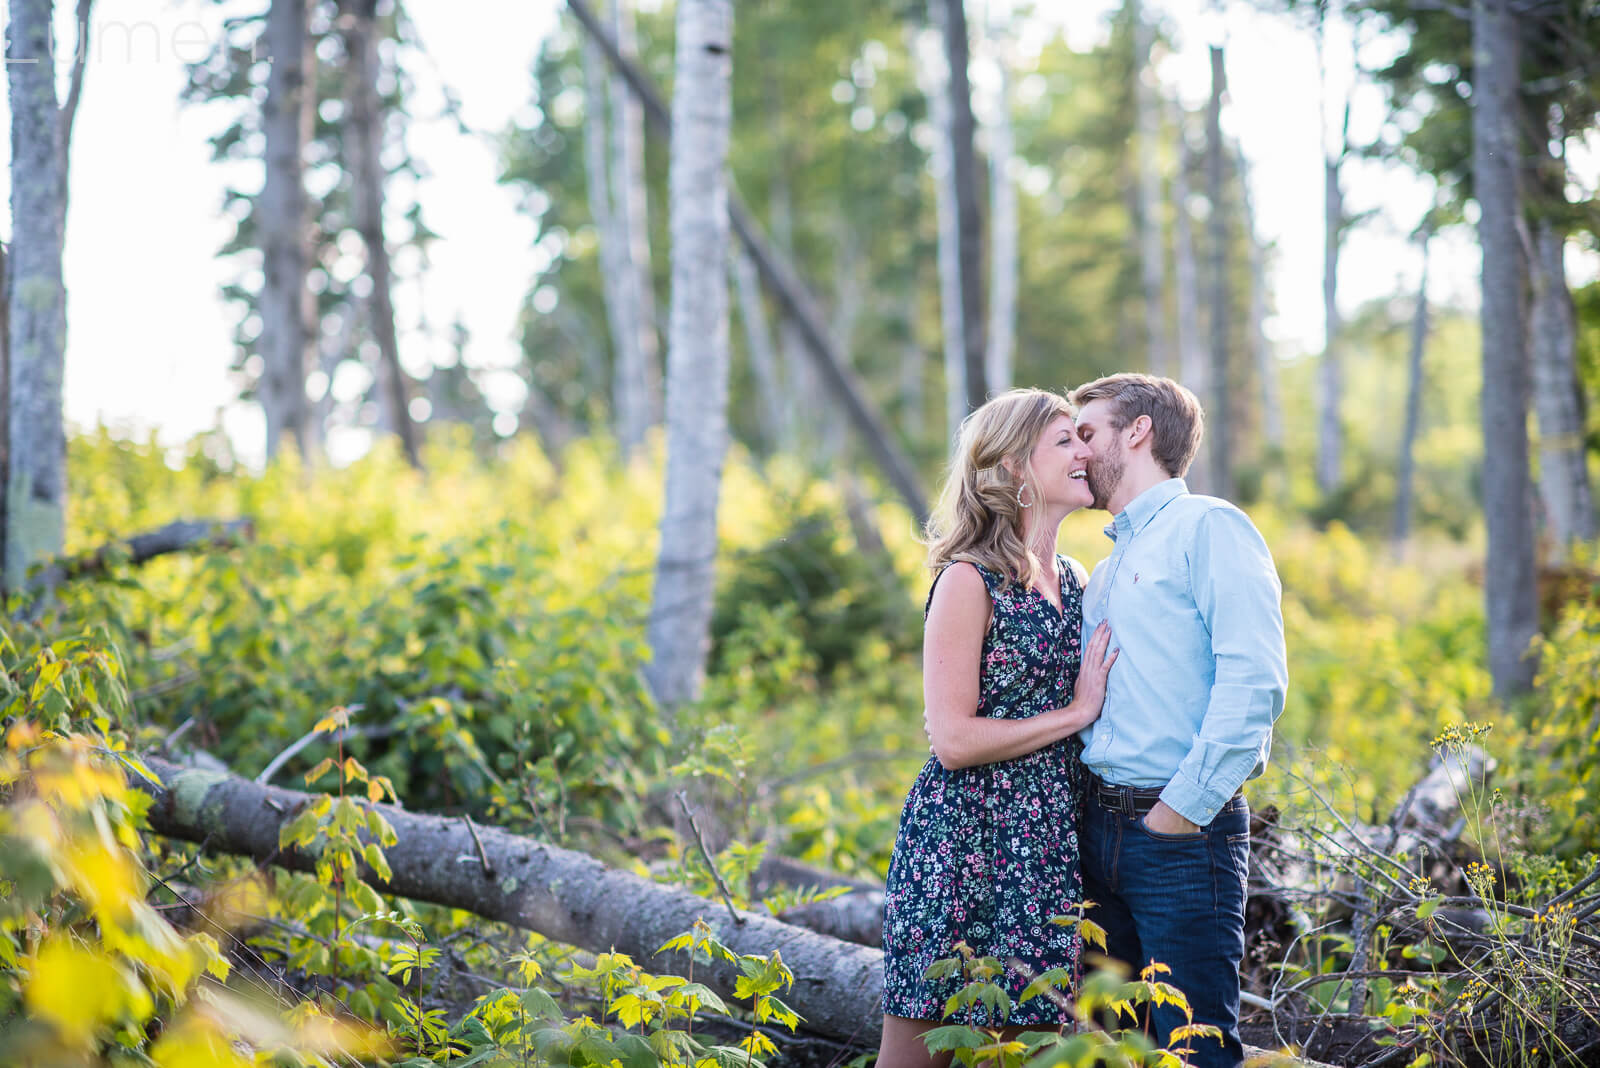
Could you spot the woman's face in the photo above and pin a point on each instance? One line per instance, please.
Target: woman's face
(1059, 464)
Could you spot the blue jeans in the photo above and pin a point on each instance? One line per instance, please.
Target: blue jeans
(1179, 900)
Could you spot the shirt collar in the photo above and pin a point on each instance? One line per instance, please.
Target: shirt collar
(1144, 507)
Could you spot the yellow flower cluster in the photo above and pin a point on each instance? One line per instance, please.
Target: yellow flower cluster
(1457, 738)
(1558, 916)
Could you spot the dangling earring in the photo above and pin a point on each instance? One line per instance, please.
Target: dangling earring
(1020, 502)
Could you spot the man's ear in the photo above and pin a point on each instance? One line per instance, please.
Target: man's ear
(1139, 432)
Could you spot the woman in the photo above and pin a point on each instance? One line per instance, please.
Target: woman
(988, 850)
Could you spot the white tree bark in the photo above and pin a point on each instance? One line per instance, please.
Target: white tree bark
(628, 412)
(1152, 254)
(1266, 363)
(998, 351)
(1219, 421)
(931, 78)
(1413, 417)
(697, 355)
(366, 208)
(1330, 373)
(639, 359)
(1511, 591)
(281, 216)
(1558, 398)
(36, 457)
(1191, 353)
(964, 182)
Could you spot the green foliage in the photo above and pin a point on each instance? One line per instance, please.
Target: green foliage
(89, 969)
(1559, 766)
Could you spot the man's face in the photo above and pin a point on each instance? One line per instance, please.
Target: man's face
(1108, 460)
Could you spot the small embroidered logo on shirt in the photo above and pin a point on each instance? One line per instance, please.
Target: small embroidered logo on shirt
(1136, 578)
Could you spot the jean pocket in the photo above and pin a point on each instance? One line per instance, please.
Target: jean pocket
(1159, 836)
(1239, 855)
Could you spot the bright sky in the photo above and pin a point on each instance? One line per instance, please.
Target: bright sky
(149, 338)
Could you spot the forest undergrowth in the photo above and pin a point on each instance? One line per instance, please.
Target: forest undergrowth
(469, 643)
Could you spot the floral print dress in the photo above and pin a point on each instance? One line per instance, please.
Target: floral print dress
(987, 854)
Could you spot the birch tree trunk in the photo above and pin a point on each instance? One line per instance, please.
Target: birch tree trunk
(1511, 593)
(932, 76)
(1266, 363)
(1219, 424)
(697, 355)
(1413, 417)
(281, 215)
(36, 459)
(5, 402)
(1330, 373)
(999, 352)
(1191, 354)
(639, 360)
(313, 440)
(1558, 398)
(366, 207)
(964, 180)
(628, 413)
(1152, 254)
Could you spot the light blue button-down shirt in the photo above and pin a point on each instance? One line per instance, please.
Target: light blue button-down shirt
(1194, 604)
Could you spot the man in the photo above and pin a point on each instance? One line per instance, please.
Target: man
(1193, 599)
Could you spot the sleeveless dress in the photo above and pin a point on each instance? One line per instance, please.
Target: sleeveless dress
(987, 854)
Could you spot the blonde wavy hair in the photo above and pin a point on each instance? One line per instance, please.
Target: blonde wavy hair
(978, 518)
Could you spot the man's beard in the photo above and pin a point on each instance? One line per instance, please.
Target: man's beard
(1104, 476)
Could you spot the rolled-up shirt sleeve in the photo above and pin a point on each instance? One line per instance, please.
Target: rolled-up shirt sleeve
(1236, 589)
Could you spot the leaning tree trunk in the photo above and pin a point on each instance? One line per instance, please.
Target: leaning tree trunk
(1219, 426)
(969, 217)
(630, 216)
(1191, 354)
(1511, 593)
(697, 354)
(281, 216)
(1413, 418)
(36, 482)
(784, 283)
(366, 207)
(1152, 255)
(928, 65)
(1558, 398)
(999, 354)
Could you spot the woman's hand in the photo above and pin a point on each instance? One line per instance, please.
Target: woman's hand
(1090, 692)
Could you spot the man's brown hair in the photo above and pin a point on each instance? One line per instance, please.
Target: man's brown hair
(1176, 421)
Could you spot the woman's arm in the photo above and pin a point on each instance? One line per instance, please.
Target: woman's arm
(952, 648)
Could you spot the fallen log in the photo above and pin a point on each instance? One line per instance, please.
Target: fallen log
(564, 895)
(175, 537)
